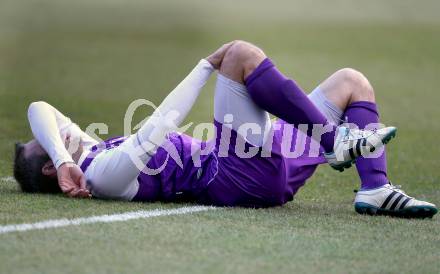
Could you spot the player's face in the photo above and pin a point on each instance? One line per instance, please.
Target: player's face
(33, 148)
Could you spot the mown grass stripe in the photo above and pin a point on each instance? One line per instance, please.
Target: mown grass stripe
(142, 214)
(8, 179)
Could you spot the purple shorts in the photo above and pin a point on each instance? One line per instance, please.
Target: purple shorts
(258, 181)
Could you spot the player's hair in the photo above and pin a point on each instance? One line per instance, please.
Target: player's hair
(27, 172)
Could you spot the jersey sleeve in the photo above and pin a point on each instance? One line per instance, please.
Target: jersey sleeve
(175, 107)
(51, 129)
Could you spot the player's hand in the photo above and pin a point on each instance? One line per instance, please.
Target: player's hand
(72, 181)
(216, 58)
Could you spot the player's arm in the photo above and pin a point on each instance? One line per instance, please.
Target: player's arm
(47, 123)
(117, 169)
(177, 105)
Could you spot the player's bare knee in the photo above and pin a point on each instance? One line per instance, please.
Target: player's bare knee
(358, 84)
(233, 55)
(231, 66)
(240, 60)
(252, 56)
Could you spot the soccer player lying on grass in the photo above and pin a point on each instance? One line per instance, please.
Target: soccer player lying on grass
(246, 164)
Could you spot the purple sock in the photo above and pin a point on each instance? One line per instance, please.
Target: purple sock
(372, 171)
(282, 97)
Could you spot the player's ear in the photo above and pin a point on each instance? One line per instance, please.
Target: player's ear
(49, 169)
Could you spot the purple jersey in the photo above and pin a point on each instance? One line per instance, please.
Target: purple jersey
(225, 180)
(173, 183)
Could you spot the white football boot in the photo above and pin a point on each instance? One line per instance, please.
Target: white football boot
(391, 200)
(352, 143)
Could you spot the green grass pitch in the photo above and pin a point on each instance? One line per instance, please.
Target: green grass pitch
(92, 58)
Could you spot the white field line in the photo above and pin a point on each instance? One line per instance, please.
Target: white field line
(8, 179)
(122, 217)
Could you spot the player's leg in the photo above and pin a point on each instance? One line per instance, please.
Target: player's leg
(242, 181)
(232, 101)
(277, 94)
(350, 91)
(274, 92)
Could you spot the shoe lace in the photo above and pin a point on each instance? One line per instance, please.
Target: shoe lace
(397, 188)
(349, 133)
(361, 134)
